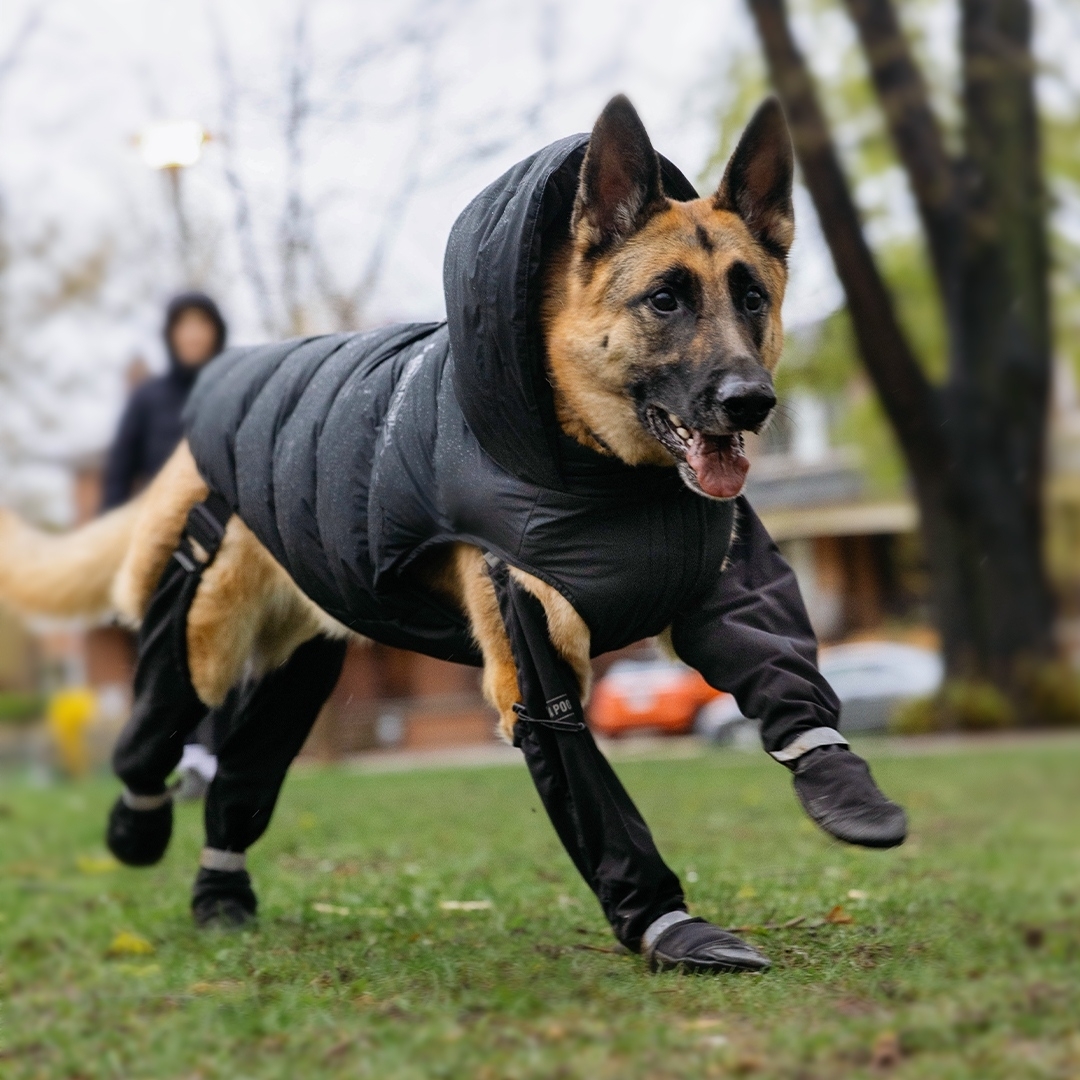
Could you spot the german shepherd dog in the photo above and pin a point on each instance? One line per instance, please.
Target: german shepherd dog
(662, 330)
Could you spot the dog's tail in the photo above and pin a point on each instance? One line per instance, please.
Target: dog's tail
(63, 574)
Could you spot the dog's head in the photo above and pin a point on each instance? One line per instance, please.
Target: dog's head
(662, 318)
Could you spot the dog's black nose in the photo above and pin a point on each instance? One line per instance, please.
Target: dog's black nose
(747, 403)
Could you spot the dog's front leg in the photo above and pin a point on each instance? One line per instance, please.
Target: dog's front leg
(567, 629)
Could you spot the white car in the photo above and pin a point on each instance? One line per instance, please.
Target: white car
(871, 678)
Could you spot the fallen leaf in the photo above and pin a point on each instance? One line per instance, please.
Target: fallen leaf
(140, 971)
(341, 1048)
(839, 917)
(886, 1051)
(465, 905)
(128, 944)
(97, 864)
(702, 1023)
(223, 986)
(329, 909)
(857, 894)
(746, 1064)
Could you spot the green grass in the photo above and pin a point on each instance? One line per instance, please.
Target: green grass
(964, 950)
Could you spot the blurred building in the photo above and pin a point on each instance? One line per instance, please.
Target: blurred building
(856, 555)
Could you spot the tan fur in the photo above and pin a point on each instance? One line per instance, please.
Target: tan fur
(62, 575)
(248, 615)
(472, 587)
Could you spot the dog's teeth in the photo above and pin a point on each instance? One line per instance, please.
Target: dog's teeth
(675, 421)
(682, 433)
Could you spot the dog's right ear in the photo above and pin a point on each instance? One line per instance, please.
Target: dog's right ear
(619, 188)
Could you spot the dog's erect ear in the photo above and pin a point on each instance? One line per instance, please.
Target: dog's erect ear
(620, 187)
(757, 181)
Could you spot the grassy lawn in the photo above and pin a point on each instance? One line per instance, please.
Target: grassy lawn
(956, 956)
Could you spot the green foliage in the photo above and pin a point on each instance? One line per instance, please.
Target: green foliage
(1051, 695)
(963, 942)
(823, 359)
(20, 708)
(960, 706)
(863, 423)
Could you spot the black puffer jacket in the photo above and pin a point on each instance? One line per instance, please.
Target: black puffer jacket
(349, 455)
(151, 424)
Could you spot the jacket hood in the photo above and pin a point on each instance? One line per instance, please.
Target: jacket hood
(177, 306)
(491, 279)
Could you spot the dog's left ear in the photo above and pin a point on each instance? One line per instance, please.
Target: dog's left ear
(620, 187)
(757, 181)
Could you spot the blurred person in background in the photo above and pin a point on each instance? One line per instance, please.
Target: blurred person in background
(150, 429)
(151, 425)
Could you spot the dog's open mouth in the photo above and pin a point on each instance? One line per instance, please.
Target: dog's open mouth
(718, 462)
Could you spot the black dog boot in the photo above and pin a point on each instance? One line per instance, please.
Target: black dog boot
(677, 940)
(223, 898)
(139, 828)
(837, 791)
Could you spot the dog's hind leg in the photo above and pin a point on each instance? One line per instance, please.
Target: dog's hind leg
(472, 585)
(248, 616)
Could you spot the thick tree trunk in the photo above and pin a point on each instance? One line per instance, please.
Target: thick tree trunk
(975, 447)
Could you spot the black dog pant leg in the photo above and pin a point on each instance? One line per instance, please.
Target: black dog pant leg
(597, 821)
(166, 708)
(272, 719)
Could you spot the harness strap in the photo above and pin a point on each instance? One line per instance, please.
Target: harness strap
(205, 526)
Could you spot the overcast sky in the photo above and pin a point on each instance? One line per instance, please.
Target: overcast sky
(412, 108)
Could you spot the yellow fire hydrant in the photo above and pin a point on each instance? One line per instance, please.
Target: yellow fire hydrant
(69, 715)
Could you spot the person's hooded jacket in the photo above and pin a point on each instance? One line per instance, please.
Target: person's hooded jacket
(350, 455)
(152, 422)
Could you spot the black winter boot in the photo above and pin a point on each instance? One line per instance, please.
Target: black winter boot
(139, 837)
(837, 791)
(223, 899)
(697, 946)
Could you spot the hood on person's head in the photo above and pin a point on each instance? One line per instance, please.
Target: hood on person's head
(191, 301)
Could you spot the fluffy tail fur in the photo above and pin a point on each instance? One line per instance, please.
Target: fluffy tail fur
(63, 574)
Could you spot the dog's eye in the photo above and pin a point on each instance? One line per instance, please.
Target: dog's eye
(753, 300)
(664, 300)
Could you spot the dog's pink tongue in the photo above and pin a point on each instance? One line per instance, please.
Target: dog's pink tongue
(718, 463)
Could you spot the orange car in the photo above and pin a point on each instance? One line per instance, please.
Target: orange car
(660, 695)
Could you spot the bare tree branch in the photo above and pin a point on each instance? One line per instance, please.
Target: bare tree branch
(13, 54)
(293, 227)
(242, 217)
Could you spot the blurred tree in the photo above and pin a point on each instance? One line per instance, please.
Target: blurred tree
(290, 244)
(975, 441)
